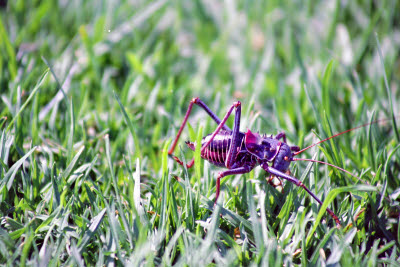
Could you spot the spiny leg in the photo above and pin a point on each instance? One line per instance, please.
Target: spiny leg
(200, 103)
(282, 135)
(234, 144)
(235, 135)
(299, 183)
(240, 170)
(235, 141)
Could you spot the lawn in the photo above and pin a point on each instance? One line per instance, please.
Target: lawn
(93, 94)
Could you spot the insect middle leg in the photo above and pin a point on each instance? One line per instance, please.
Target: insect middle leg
(240, 170)
(233, 149)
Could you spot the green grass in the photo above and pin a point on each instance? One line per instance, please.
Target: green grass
(93, 93)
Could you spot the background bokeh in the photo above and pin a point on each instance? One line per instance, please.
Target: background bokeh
(93, 92)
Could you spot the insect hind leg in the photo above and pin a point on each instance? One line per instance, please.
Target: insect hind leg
(201, 104)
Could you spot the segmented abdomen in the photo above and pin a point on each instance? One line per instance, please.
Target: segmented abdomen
(217, 150)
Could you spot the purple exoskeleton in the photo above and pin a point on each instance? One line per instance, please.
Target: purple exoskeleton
(241, 152)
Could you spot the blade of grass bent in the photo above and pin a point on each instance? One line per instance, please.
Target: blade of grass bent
(325, 88)
(10, 175)
(89, 233)
(137, 153)
(331, 196)
(117, 193)
(35, 89)
(72, 164)
(255, 223)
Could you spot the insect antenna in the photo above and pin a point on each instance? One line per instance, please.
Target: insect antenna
(329, 164)
(335, 135)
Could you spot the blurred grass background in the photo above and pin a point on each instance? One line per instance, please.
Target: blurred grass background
(92, 93)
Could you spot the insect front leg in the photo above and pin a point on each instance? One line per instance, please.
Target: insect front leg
(201, 104)
(270, 181)
(282, 135)
(300, 184)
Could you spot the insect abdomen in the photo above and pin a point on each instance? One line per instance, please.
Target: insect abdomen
(217, 150)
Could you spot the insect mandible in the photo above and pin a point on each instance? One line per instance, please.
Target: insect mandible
(240, 152)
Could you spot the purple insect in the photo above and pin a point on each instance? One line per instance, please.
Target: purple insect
(241, 152)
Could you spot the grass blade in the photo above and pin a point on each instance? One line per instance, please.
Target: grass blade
(387, 89)
(10, 175)
(32, 94)
(137, 153)
(331, 196)
(91, 231)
